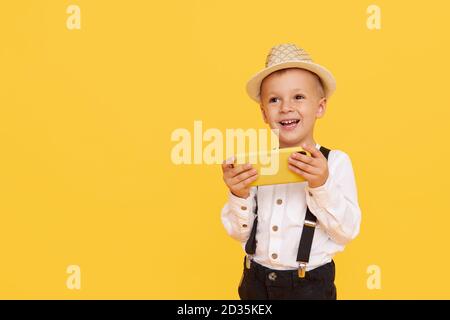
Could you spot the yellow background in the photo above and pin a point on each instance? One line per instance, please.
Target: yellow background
(86, 117)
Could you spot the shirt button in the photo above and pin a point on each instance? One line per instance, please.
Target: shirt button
(274, 256)
(310, 193)
(244, 226)
(279, 201)
(243, 208)
(275, 228)
(272, 276)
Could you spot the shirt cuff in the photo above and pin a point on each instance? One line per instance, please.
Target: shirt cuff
(242, 207)
(324, 196)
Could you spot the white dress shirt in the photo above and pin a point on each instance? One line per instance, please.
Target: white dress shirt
(281, 213)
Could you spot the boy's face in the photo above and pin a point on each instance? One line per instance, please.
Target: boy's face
(291, 101)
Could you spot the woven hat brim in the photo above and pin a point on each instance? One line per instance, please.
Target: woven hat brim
(328, 81)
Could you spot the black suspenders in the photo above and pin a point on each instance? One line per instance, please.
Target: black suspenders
(250, 246)
(304, 248)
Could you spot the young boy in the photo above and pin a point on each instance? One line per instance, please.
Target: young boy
(290, 232)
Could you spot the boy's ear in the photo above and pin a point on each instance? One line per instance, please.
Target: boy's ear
(322, 108)
(263, 112)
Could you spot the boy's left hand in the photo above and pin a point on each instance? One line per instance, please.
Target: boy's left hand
(314, 169)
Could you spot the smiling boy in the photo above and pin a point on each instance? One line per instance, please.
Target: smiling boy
(291, 232)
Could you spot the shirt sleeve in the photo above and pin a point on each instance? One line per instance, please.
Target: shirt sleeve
(238, 215)
(335, 204)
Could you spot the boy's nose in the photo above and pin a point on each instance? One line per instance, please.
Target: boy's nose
(286, 107)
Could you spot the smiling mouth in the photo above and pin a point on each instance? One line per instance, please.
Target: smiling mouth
(289, 123)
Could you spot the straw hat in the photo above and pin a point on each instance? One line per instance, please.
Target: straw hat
(285, 56)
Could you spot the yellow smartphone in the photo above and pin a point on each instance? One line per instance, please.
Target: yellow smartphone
(272, 165)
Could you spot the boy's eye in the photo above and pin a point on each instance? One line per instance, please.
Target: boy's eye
(299, 97)
(273, 100)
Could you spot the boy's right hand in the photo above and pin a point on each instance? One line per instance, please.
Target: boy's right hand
(239, 177)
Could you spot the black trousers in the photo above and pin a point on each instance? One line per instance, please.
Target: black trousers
(261, 283)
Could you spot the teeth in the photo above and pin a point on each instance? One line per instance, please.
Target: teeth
(289, 121)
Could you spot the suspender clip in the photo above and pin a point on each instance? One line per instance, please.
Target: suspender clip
(248, 262)
(309, 223)
(302, 270)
